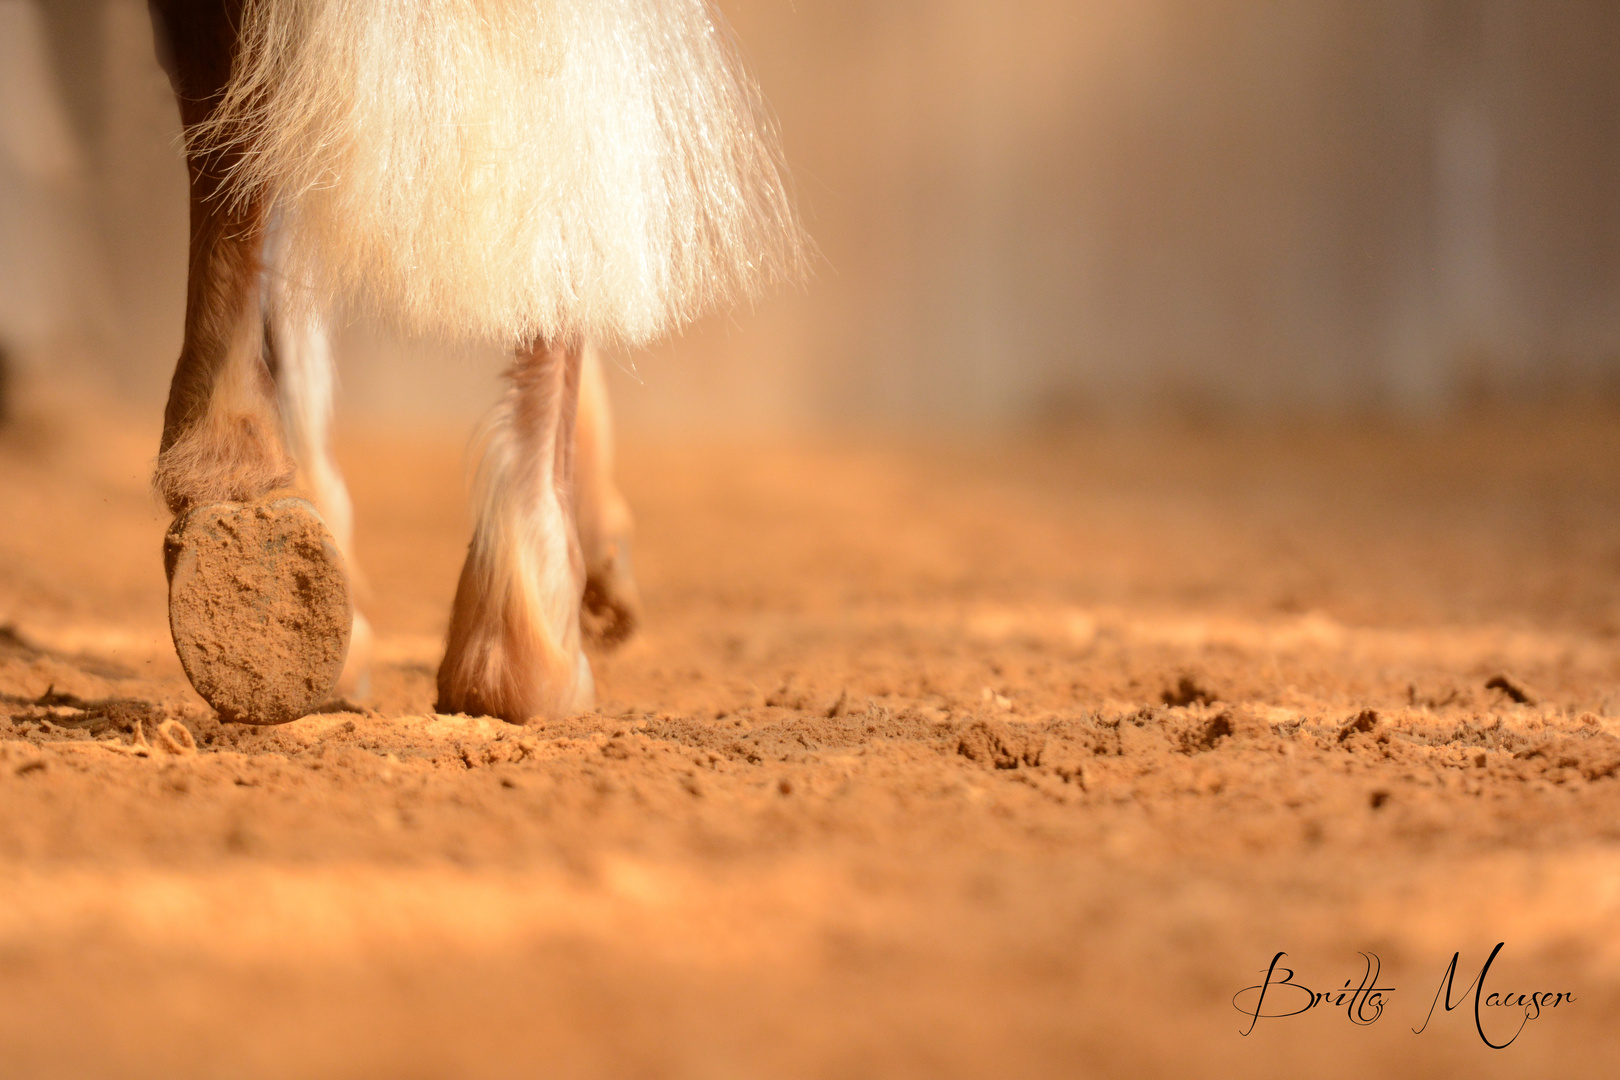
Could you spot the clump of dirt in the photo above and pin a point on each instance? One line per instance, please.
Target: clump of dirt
(259, 607)
(1516, 691)
(1187, 691)
(993, 743)
(1365, 723)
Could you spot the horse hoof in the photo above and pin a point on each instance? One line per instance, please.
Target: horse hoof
(610, 610)
(259, 607)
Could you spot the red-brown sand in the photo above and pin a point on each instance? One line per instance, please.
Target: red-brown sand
(930, 760)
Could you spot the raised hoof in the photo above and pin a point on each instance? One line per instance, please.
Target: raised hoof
(610, 610)
(259, 607)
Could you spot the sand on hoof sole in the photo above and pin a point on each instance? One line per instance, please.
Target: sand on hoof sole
(259, 607)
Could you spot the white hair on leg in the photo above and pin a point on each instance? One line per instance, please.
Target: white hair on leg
(514, 641)
(305, 385)
(512, 169)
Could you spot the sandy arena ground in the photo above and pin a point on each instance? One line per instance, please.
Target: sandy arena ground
(932, 760)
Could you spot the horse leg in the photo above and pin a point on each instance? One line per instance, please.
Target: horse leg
(258, 593)
(221, 437)
(612, 604)
(514, 642)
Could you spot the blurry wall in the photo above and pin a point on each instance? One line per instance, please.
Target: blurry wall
(1047, 209)
(52, 296)
(1051, 206)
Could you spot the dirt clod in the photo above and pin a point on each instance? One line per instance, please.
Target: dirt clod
(1364, 723)
(1207, 734)
(1514, 689)
(993, 743)
(1186, 692)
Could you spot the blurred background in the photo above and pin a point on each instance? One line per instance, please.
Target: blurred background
(1027, 211)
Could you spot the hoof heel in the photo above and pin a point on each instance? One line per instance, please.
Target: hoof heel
(610, 610)
(259, 607)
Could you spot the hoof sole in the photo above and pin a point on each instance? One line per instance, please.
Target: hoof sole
(259, 607)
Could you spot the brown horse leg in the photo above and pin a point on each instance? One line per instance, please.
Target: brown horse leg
(221, 434)
(258, 593)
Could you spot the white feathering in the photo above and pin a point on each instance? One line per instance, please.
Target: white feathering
(508, 169)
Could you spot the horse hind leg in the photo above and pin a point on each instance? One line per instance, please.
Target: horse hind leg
(612, 603)
(259, 602)
(514, 642)
(221, 434)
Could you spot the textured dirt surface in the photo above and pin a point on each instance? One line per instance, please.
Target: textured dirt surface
(930, 760)
(258, 606)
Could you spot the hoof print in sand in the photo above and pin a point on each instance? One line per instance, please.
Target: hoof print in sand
(259, 607)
